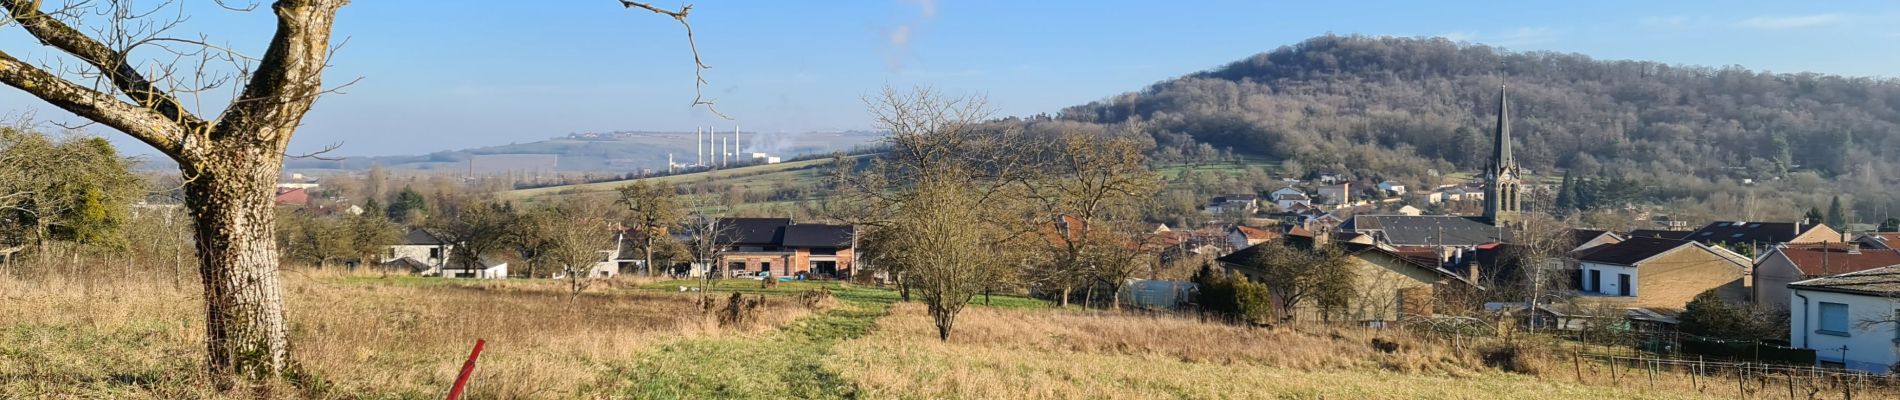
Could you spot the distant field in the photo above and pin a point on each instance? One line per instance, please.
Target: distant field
(757, 176)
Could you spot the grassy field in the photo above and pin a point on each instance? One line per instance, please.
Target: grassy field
(751, 177)
(361, 336)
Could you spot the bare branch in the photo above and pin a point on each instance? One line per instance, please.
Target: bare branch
(699, 64)
(110, 62)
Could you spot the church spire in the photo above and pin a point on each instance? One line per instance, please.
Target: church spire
(1501, 157)
(1501, 203)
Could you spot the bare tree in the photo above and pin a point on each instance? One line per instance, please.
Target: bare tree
(577, 231)
(654, 207)
(1088, 181)
(230, 161)
(943, 204)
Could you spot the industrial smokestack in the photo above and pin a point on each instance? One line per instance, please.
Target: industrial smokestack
(699, 146)
(735, 139)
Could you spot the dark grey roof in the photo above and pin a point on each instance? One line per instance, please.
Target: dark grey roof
(1758, 233)
(1424, 230)
(1883, 281)
(411, 264)
(1629, 252)
(1659, 233)
(418, 237)
(484, 263)
(816, 235)
(760, 231)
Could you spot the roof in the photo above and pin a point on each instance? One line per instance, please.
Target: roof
(1254, 233)
(1883, 281)
(1237, 197)
(1749, 232)
(1659, 233)
(1293, 197)
(764, 231)
(1815, 259)
(418, 237)
(1633, 251)
(1886, 239)
(1580, 236)
(484, 263)
(1415, 259)
(817, 235)
(1424, 229)
(411, 264)
(1670, 316)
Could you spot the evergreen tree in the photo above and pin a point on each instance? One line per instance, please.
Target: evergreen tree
(1890, 225)
(1567, 194)
(1836, 215)
(408, 206)
(1709, 316)
(1813, 216)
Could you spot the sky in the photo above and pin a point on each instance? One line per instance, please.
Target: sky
(431, 76)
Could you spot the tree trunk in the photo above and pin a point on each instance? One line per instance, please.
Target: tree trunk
(649, 251)
(231, 207)
(1066, 290)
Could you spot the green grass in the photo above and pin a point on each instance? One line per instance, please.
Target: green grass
(784, 364)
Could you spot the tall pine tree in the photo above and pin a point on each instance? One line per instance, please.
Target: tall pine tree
(1836, 215)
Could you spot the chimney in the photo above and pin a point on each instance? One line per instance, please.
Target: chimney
(1853, 247)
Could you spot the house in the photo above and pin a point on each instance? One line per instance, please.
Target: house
(1410, 211)
(1840, 318)
(419, 246)
(1789, 263)
(411, 265)
(1879, 240)
(481, 268)
(1285, 191)
(1155, 227)
(782, 248)
(1336, 194)
(1761, 235)
(1288, 201)
(1241, 203)
(1424, 230)
(1242, 236)
(1391, 187)
(1652, 272)
(1582, 239)
(1387, 284)
(1328, 177)
(293, 196)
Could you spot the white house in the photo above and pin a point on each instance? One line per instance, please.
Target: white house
(1288, 200)
(1336, 194)
(1848, 319)
(1242, 203)
(420, 246)
(1392, 187)
(480, 269)
(1242, 236)
(1286, 190)
(1410, 210)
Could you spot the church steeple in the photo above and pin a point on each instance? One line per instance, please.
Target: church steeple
(1501, 156)
(1501, 187)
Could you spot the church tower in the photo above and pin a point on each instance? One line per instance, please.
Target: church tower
(1501, 184)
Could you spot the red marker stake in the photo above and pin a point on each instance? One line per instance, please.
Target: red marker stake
(467, 368)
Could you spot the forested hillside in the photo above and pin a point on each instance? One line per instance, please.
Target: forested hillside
(1392, 108)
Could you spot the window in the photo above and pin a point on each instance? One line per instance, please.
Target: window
(435, 252)
(1833, 319)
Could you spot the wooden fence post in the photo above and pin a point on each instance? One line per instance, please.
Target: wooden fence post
(1613, 361)
(1651, 366)
(1694, 379)
(1576, 360)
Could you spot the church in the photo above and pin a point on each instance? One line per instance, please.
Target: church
(1502, 205)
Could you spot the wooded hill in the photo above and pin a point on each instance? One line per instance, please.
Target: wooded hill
(1392, 108)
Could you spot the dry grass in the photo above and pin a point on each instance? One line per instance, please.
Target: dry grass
(356, 336)
(1058, 354)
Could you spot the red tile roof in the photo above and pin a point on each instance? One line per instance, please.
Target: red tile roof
(1837, 259)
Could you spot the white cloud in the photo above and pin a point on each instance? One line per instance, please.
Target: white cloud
(1791, 21)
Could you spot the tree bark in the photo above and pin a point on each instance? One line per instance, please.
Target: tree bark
(231, 204)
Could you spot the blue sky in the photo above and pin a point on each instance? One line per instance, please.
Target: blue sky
(436, 76)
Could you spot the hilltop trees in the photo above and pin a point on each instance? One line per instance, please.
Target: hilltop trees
(73, 189)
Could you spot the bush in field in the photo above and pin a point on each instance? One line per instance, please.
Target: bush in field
(1232, 296)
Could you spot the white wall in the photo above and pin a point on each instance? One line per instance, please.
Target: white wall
(1610, 284)
(418, 252)
(1870, 347)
